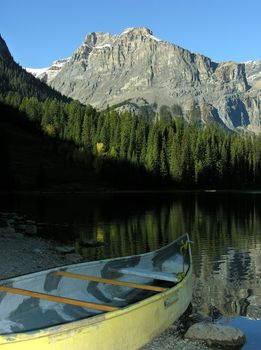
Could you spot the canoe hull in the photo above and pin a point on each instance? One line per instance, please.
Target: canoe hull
(128, 328)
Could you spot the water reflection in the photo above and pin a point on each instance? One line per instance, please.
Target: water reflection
(225, 228)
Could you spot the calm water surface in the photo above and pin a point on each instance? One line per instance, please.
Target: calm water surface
(225, 228)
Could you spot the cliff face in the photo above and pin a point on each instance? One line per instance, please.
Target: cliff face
(136, 69)
(253, 73)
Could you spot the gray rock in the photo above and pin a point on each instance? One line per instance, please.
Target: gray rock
(31, 229)
(65, 249)
(30, 222)
(254, 307)
(140, 72)
(7, 230)
(73, 258)
(216, 334)
(37, 251)
(199, 317)
(20, 227)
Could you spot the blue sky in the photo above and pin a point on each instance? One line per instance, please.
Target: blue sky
(40, 31)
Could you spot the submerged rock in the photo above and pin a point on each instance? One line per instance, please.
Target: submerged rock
(216, 334)
(87, 243)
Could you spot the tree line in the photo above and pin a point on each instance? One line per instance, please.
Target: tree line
(162, 151)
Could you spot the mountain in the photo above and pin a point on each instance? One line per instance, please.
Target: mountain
(4, 51)
(14, 79)
(30, 160)
(49, 73)
(43, 133)
(31, 157)
(137, 71)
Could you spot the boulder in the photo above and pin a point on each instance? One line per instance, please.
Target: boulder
(31, 229)
(216, 335)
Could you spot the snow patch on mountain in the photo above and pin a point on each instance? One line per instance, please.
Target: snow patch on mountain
(102, 46)
(253, 74)
(49, 73)
(37, 71)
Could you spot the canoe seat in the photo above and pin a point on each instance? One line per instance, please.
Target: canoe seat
(156, 275)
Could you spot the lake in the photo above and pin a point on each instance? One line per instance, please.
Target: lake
(225, 229)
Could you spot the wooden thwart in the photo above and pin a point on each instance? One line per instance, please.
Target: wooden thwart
(110, 281)
(57, 299)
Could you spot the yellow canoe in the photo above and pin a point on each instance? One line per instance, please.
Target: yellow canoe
(109, 304)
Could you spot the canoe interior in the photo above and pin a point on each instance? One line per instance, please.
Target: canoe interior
(20, 313)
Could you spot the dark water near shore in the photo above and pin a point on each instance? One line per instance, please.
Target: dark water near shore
(225, 228)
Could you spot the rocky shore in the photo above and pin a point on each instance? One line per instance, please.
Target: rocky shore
(22, 251)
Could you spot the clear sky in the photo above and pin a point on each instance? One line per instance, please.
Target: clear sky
(39, 31)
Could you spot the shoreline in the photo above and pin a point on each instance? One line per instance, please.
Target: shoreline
(134, 192)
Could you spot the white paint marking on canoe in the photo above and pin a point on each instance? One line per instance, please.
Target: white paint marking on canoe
(156, 275)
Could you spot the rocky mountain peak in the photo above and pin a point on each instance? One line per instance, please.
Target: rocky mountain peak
(97, 38)
(137, 31)
(91, 39)
(137, 71)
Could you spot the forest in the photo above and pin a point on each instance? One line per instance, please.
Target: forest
(128, 148)
(131, 151)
